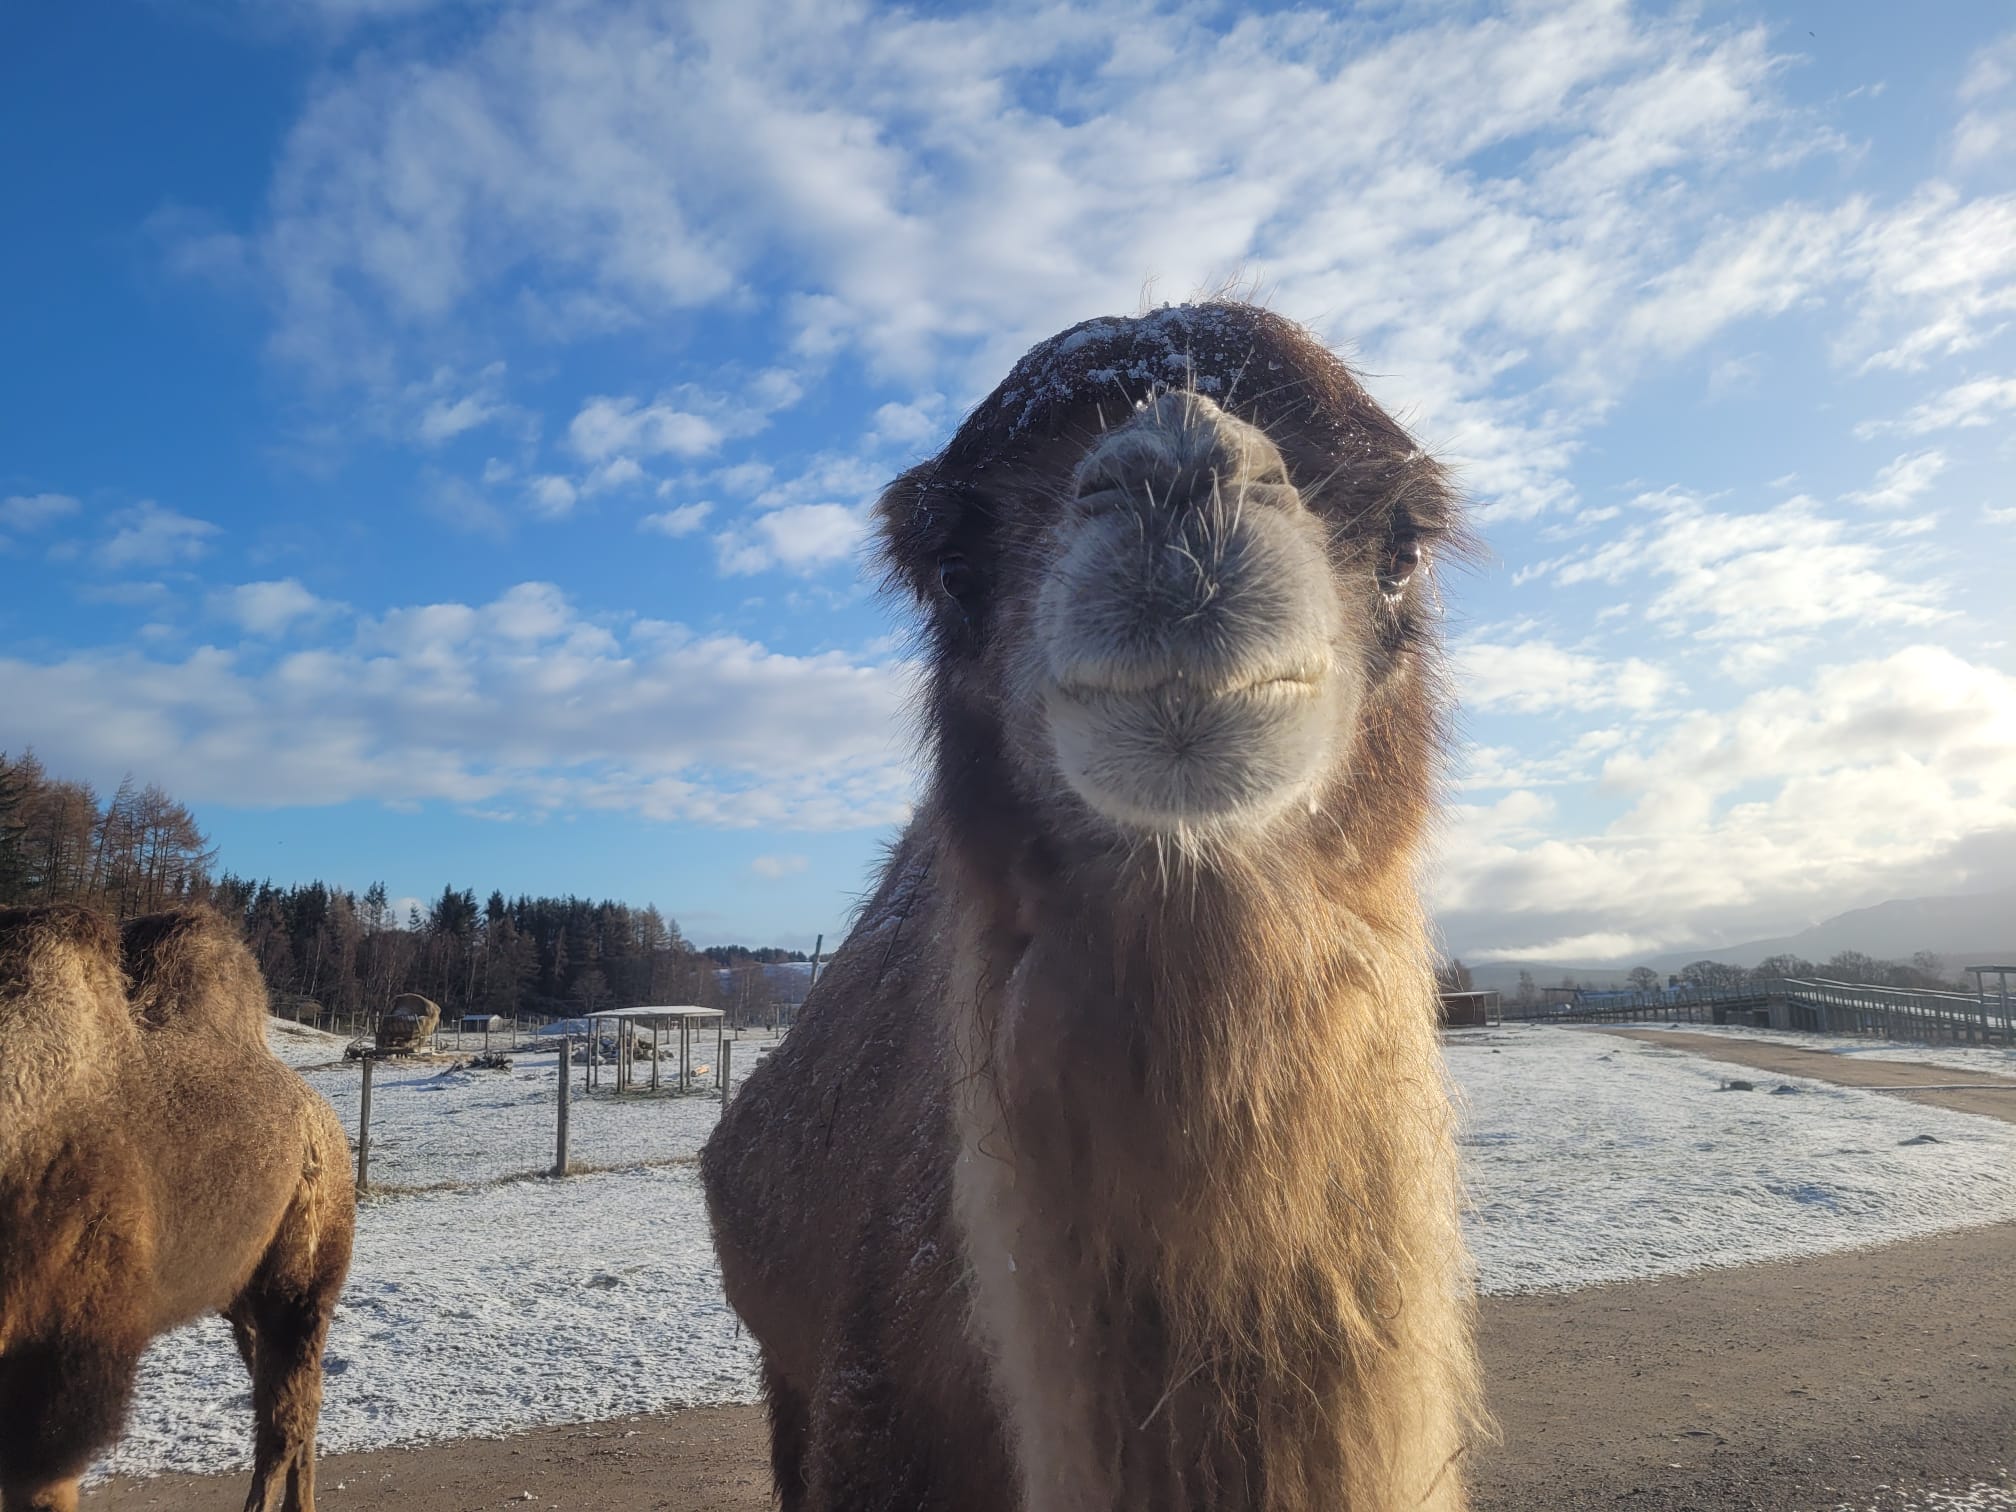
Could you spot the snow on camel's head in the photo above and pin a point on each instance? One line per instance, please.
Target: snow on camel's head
(1175, 577)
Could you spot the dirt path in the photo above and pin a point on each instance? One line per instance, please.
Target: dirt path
(1847, 1380)
(1846, 1070)
(1859, 1381)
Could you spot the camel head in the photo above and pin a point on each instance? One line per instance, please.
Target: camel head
(1174, 573)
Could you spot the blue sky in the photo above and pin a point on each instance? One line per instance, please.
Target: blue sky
(435, 437)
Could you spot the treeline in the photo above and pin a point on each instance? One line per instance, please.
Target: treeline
(138, 852)
(1925, 971)
(336, 957)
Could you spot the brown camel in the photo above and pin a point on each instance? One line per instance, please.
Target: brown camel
(1109, 1166)
(156, 1162)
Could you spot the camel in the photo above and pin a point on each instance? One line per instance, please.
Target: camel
(1109, 1166)
(157, 1162)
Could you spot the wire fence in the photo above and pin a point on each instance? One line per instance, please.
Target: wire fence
(548, 1107)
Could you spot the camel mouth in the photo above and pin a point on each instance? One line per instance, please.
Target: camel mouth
(1176, 687)
(1175, 753)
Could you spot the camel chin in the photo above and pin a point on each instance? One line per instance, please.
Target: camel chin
(1177, 760)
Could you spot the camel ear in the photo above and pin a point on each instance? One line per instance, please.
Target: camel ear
(918, 519)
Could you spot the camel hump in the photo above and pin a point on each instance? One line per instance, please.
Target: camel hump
(188, 968)
(63, 1019)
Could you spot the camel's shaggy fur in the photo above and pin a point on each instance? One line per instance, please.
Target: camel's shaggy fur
(1109, 1166)
(156, 1162)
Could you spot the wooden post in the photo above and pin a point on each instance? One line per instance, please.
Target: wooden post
(364, 1130)
(725, 1049)
(588, 1060)
(654, 1057)
(563, 1079)
(685, 1053)
(721, 1051)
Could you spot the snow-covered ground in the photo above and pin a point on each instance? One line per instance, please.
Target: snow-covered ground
(1982, 1496)
(432, 1123)
(1992, 1060)
(1593, 1158)
(299, 1045)
(476, 1309)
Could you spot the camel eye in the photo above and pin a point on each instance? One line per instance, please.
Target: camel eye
(957, 577)
(1402, 557)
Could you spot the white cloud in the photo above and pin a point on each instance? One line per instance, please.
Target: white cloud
(1964, 406)
(1537, 676)
(552, 497)
(26, 512)
(914, 425)
(798, 537)
(1902, 481)
(1992, 70)
(774, 868)
(615, 474)
(447, 406)
(521, 700)
(270, 608)
(681, 520)
(1762, 576)
(607, 426)
(1983, 137)
(1889, 777)
(1461, 199)
(147, 535)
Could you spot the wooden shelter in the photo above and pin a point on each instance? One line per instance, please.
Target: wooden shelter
(1469, 1010)
(631, 1022)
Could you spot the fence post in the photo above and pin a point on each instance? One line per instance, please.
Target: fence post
(364, 1129)
(560, 1135)
(727, 1047)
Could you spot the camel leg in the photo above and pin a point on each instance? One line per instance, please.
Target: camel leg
(61, 1402)
(286, 1401)
(281, 1322)
(789, 1424)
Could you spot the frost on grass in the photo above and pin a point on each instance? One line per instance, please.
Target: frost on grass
(1987, 1060)
(472, 1313)
(434, 1123)
(300, 1046)
(1593, 1158)
(482, 1309)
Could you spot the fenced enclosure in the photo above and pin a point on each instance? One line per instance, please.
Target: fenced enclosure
(1814, 1005)
(439, 1122)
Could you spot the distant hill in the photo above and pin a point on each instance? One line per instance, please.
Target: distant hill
(1966, 929)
